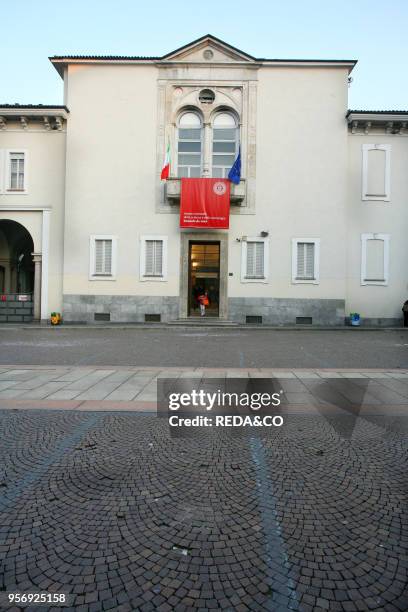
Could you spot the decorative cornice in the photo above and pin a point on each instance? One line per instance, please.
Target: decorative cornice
(16, 111)
(40, 117)
(392, 122)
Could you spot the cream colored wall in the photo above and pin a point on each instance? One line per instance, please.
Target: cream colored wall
(300, 179)
(378, 217)
(46, 179)
(110, 184)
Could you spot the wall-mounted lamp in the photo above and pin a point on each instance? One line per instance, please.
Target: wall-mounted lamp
(264, 234)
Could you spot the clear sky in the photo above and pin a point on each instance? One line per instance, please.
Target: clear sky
(372, 31)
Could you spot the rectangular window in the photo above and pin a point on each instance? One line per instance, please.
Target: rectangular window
(254, 265)
(374, 259)
(376, 172)
(103, 257)
(255, 260)
(16, 171)
(305, 260)
(153, 258)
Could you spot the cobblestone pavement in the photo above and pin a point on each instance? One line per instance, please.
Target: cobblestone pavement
(109, 509)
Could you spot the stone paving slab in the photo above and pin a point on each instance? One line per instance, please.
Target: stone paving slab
(116, 384)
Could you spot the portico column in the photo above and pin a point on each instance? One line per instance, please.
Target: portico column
(37, 258)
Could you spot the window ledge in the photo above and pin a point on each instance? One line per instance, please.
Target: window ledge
(153, 278)
(380, 283)
(247, 279)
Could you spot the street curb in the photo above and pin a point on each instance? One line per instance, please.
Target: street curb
(202, 326)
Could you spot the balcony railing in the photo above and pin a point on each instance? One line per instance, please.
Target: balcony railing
(173, 191)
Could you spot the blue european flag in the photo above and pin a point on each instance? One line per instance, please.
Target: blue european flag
(234, 175)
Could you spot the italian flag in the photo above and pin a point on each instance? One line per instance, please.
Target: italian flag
(166, 167)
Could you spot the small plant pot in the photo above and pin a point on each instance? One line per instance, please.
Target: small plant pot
(55, 318)
(355, 319)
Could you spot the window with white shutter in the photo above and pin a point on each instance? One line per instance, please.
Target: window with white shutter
(254, 260)
(374, 259)
(153, 258)
(305, 260)
(103, 257)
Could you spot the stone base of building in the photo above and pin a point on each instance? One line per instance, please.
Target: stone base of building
(260, 311)
(119, 308)
(286, 311)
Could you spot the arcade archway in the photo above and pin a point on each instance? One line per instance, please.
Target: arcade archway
(17, 272)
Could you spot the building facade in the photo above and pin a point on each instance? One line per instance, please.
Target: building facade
(318, 221)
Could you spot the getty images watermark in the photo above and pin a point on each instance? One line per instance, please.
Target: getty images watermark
(193, 404)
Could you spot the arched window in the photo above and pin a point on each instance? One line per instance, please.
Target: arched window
(224, 144)
(189, 145)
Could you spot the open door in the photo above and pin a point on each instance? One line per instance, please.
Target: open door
(204, 275)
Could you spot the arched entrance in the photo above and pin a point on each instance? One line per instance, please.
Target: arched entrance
(16, 272)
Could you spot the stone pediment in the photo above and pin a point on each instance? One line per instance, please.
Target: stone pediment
(208, 49)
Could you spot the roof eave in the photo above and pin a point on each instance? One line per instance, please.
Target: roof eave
(34, 111)
(61, 62)
(377, 116)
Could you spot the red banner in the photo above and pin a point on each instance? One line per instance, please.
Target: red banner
(205, 202)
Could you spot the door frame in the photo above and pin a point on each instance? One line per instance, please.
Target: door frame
(186, 238)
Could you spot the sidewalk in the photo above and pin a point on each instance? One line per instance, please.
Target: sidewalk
(134, 389)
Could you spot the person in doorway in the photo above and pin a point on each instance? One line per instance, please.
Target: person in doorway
(203, 301)
(405, 313)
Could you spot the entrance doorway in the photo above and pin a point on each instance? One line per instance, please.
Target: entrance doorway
(204, 275)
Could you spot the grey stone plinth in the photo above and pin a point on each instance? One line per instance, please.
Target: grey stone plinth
(284, 311)
(121, 308)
